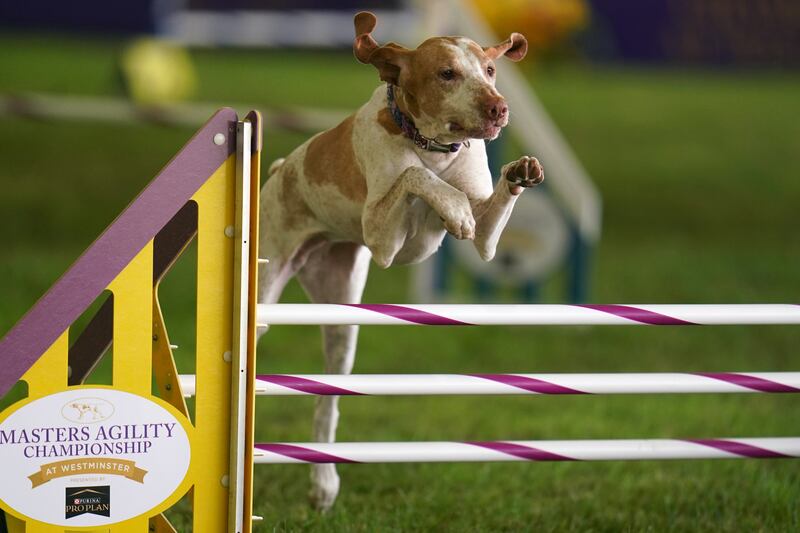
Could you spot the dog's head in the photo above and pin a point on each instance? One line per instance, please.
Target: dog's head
(447, 83)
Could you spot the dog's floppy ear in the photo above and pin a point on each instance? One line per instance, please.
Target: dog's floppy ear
(388, 59)
(514, 48)
(364, 44)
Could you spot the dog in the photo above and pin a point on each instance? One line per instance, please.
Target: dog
(388, 183)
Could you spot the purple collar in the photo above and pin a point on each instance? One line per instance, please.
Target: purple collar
(411, 131)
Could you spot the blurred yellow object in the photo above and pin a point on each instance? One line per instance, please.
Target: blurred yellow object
(545, 23)
(157, 72)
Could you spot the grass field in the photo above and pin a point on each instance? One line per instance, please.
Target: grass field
(699, 173)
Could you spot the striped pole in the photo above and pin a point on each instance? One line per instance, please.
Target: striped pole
(554, 450)
(508, 384)
(527, 315)
(443, 384)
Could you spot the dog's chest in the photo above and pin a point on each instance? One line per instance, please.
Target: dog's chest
(441, 164)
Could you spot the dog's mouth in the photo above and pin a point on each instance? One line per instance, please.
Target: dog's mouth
(488, 131)
(455, 127)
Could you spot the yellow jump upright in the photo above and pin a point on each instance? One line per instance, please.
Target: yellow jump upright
(115, 457)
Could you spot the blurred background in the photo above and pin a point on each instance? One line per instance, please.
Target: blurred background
(670, 134)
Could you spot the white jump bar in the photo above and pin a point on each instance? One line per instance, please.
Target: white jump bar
(510, 384)
(554, 450)
(511, 315)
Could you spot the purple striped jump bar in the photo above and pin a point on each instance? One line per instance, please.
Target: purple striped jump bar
(507, 384)
(511, 384)
(553, 450)
(527, 315)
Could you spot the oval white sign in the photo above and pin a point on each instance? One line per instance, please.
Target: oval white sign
(91, 457)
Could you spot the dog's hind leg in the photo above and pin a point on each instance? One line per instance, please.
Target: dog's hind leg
(273, 275)
(335, 273)
(286, 234)
(272, 278)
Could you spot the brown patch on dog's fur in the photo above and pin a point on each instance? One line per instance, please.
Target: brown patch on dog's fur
(330, 160)
(409, 105)
(421, 93)
(295, 210)
(387, 122)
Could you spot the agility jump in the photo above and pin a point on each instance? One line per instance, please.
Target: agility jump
(202, 193)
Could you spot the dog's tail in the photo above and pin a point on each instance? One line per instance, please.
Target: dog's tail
(275, 166)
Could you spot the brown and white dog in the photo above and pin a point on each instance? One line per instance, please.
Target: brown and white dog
(409, 166)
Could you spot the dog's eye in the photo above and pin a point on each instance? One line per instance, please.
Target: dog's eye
(447, 74)
(490, 70)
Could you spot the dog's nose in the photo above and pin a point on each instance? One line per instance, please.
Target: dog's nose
(496, 108)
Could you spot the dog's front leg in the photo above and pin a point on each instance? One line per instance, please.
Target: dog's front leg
(386, 219)
(492, 214)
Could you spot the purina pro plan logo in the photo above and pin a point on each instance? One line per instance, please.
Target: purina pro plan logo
(95, 500)
(64, 455)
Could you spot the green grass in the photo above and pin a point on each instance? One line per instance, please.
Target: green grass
(699, 174)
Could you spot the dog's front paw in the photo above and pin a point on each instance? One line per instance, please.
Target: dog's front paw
(458, 219)
(524, 173)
